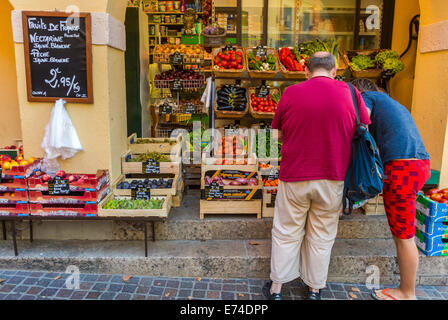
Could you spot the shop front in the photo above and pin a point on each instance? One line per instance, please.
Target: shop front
(175, 98)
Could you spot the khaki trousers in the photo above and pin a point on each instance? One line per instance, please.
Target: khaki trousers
(305, 225)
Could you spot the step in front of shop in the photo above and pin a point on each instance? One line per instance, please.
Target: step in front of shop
(352, 261)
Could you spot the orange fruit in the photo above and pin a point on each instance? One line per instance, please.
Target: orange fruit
(31, 160)
(6, 165)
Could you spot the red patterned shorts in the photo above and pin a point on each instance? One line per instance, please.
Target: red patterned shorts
(403, 180)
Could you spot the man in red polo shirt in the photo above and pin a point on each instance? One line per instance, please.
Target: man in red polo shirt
(317, 121)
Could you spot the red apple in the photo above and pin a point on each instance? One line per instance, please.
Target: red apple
(60, 173)
(431, 192)
(72, 178)
(6, 148)
(5, 158)
(13, 147)
(46, 178)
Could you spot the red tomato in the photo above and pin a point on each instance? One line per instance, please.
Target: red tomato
(240, 66)
(437, 197)
(433, 191)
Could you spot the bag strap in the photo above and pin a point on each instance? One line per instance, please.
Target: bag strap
(355, 103)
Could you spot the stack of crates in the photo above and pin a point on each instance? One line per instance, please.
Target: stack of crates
(14, 200)
(432, 227)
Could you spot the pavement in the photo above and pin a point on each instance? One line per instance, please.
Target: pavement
(37, 285)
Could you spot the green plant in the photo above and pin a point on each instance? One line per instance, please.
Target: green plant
(128, 204)
(157, 157)
(362, 62)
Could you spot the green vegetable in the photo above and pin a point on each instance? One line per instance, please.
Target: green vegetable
(362, 62)
(146, 141)
(276, 97)
(128, 204)
(157, 157)
(390, 61)
(260, 63)
(385, 55)
(265, 140)
(393, 65)
(311, 47)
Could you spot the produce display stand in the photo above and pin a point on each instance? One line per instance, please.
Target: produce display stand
(31, 219)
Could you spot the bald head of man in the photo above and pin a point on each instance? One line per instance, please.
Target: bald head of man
(321, 64)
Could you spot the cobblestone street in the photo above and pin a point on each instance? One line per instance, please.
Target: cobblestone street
(29, 285)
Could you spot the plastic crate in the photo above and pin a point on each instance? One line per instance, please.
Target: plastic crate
(14, 196)
(12, 184)
(432, 245)
(93, 182)
(431, 208)
(432, 227)
(22, 171)
(14, 210)
(74, 197)
(63, 210)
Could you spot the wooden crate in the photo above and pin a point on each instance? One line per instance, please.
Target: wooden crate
(173, 167)
(192, 175)
(159, 213)
(161, 145)
(268, 200)
(230, 207)
(156, 192)
(375, 207)
(210, 163)
(176, 200)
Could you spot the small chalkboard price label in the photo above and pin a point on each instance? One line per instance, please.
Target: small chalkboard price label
(140, 193)
(262, 91)
(58, 186)
(177, 59)
(273, 173)
(190, 108)
(151, 166)
(166, 109)
(214, 191)
(262, 52)
(177, 85)
(228, 48)
(58, 56)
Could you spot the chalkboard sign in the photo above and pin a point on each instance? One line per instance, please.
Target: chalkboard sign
(190, 108)
(151, 166)
(58, 56)
(58, 187)
(141, 193)
(177, 85)
(177, 59)
(214, 191)
(166, 109)
(262, 91)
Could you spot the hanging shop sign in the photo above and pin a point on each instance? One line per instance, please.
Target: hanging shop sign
(58, 56)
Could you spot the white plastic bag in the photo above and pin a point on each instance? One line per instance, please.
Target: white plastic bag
(61, 138)
(206, 95)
